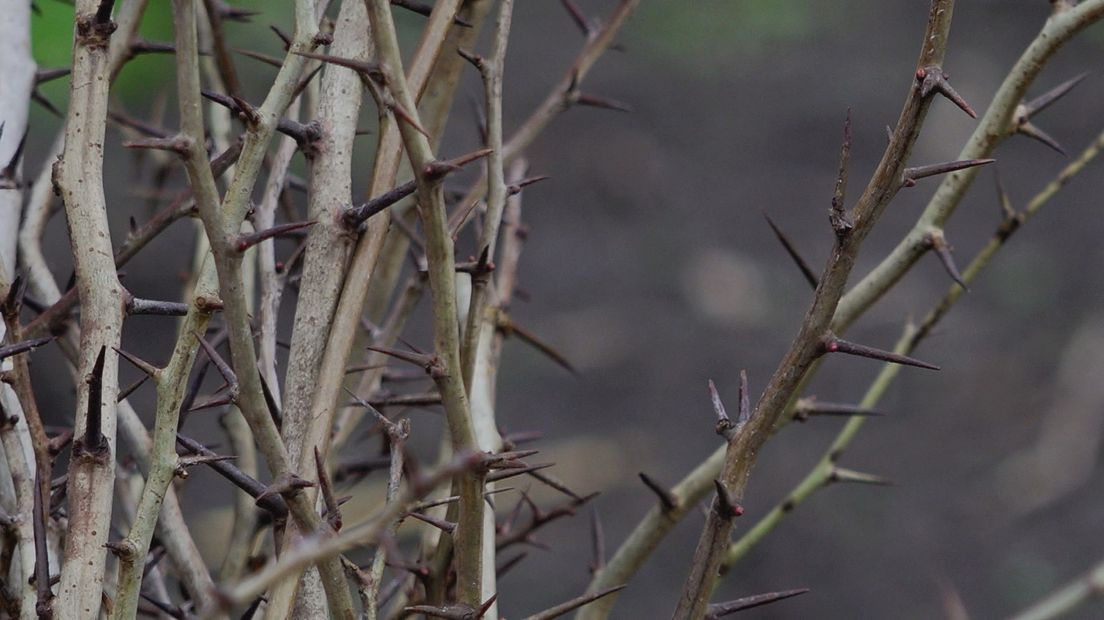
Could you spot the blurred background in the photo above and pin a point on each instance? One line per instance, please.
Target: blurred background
(650, 266)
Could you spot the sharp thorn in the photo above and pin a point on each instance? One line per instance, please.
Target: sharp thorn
(46, 75)
(718, 610)
(597, 542)
(837, 217)
(426, 10)
(578, 17)
(840, 474)
(727, 506)
(809, 406)
(286, 484)
(943, 250)
(23, 347)
(1043, 101)
(246, 241)
(911, 175)
(333, 509)
(595, 101)
(369, 70)
(667, 499)
(933, 79)
(223, 368)
(1027, 128)
(94, 442)
(447, 527)
(509, 328)
(439, 169)
(265, 58)
(806, 270)
(517, 187)
(355, 216)
(832, 344)
(149, 369)
(575, 603)
(283, 36)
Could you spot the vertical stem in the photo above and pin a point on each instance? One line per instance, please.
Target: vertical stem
(441, 266)
(79, 176)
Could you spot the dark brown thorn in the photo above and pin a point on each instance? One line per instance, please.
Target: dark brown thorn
(139, 306)
(832, 344)
(407, 400)
(176, 144)
(285, 485)
(556, 484)
(486, 606)
(246, 241)
(933, 79)
(727, 506)
(223, 368)
(718, 610)
(270, 402)
(510, 473)
(573, 604)
(428, 362)
(437, 170)
(214, 401)
(247, 111)
(203, 459)
(1027, 128)
(240, 107)
(447, 527)
(454, 231)
(725, 427)
(1043, 101)
(911, 175)
(265, 58)
(41, 100)
(369, 70)
(508, 327)
(595, 101)
(103, 11)
(45, 597)
(474, 59)
(149, 369)
(355, 216)
(942, 249)
(837, 216)
(667, 499)
(522, 184)
(142, 46)
(577, 16)
(9, 170)
(745, 402)
(167, 609)
(597, 543)
(58, 442)
(809, 406)
(46, 75)
(284, 37)
(333, 509)
(403, 115)
(237, 477)
(508, 565)
(840, 474)
(13, 299)
(504, 460)
(93, 443)
(1007, 211)
(234, 14)
(23, 347)
(806, 271)
(425, 10)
